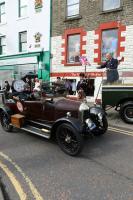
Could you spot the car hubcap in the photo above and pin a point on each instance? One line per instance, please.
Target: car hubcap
(5, 121)
(68, 140)
(129, 113)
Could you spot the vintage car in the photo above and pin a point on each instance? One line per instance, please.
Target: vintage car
(51, 114)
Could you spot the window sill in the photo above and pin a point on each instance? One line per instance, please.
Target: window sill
(21, 18)
(112, 10)
(4, 54)
(22, 52)
(72, 64)
(77, 17)
(3, 23)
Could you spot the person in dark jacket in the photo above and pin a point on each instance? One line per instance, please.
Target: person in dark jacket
(111, 66)
(6, 86)
(82, 84)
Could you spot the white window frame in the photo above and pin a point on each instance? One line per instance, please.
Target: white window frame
(2, 13)
(2, 45)
(20, 7)
(109, 9)
(22, 42)
(72, 5)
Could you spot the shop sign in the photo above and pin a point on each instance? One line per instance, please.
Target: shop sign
(37, 37)
(38, 5)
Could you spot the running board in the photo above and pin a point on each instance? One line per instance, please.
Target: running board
(36, 123)
(41, 132)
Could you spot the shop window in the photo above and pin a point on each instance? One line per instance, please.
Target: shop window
(2, 12)
(72, 8)
(109, 43)
(73, 48)
(23, 41)
(111, 4)
(2, 45)
(23, 5)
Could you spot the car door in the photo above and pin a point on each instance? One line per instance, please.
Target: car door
(33, 109)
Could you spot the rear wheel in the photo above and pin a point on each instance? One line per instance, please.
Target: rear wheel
(5, 122)
(69, 139)
(126, 112)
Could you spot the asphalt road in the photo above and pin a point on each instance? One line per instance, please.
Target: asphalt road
(34, 168)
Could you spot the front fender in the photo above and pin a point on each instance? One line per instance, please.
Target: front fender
(76, 123)
(96, 110)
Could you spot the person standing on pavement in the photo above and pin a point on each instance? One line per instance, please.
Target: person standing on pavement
(82, 83)
(111, 66)
(6, 86)
(68, 86)
(74, 87)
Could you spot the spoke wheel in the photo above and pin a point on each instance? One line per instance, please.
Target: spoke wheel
(69, 140)
(5, 122)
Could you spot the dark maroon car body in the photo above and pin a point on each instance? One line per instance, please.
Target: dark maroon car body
(66, 119)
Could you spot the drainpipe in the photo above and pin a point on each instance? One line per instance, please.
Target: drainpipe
(51, 7)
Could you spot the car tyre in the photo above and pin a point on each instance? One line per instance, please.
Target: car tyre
(69, 139)
(5, 122)
(126, 112)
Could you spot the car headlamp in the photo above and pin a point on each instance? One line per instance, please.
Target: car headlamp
(100, 116)
(90, 124)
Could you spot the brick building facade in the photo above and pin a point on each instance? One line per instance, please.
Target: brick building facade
(91, 28)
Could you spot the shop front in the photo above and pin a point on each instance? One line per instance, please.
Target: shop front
(16, 66)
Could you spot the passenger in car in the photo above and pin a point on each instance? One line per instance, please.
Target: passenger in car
(37, 85)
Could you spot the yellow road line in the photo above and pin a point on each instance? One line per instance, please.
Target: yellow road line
(14, 181)
(33, 189)
(124, 132)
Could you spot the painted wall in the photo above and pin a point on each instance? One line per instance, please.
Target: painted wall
(34, 22)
